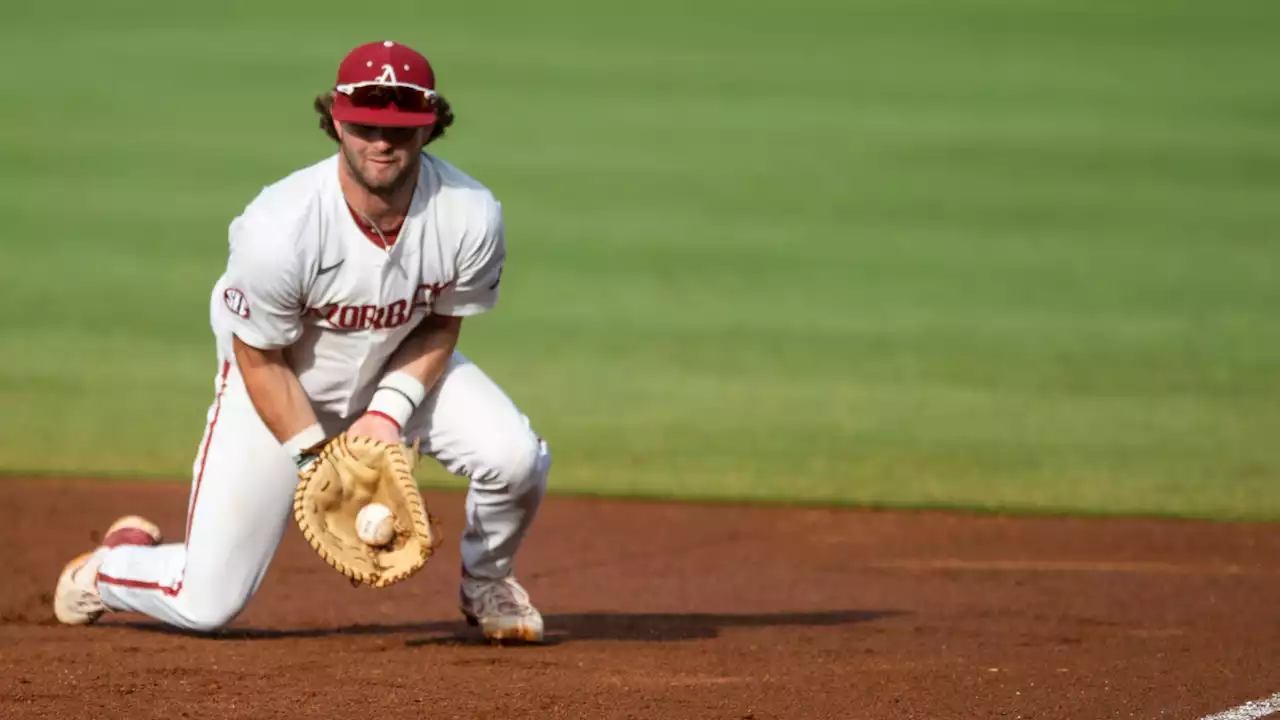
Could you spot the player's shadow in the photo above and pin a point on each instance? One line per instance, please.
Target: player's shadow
(663, 627)
(566, 627)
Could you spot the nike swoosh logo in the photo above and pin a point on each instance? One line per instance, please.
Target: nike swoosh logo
(329, 269)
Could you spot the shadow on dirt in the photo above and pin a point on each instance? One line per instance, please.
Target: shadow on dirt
(569, 627)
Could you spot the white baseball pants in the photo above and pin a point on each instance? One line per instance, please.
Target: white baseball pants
(242, 499)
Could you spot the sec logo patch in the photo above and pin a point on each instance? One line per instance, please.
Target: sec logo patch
(236, 302)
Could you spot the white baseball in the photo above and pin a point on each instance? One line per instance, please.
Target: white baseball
(375, 524)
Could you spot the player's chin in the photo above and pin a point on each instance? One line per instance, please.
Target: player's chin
(383, 175)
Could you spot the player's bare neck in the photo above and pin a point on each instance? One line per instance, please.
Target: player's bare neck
(383, 208)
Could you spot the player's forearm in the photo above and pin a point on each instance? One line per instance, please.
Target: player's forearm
(415, 368)
(275, 391)
(426, 352)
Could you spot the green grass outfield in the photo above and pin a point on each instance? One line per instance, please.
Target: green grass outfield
(1014, 254)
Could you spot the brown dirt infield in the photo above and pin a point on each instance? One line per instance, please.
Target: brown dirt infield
(661, 610)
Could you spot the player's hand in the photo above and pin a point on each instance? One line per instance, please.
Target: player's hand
(376, 427)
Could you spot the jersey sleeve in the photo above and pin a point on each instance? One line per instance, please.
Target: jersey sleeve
(263, 292)
(480, 264)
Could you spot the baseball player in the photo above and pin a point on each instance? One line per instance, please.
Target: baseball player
(340, 308)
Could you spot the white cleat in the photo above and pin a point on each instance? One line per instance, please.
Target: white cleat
(501, 608)
(76, 600)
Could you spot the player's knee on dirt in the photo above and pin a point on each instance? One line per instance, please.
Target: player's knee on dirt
(211, 614)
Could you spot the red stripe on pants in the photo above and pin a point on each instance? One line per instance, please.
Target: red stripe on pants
(208, 440)
(170, 591)
(204, 458)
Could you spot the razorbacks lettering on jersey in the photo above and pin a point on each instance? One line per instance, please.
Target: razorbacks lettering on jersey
(302, 274)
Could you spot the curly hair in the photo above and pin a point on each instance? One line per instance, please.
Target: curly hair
(324, 103)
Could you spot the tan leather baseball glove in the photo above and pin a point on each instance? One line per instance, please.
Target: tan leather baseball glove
(352, 472)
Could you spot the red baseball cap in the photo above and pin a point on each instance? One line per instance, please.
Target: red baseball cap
(385, 83)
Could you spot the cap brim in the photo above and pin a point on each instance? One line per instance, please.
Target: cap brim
(382, 117)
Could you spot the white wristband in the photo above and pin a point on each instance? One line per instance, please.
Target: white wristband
(298, 445)
(397, 397)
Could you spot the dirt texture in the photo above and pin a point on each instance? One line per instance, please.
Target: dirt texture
(663, 610)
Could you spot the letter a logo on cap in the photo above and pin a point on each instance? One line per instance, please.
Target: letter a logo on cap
(388, 75)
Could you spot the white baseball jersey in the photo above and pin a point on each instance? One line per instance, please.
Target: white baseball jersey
(303, 275)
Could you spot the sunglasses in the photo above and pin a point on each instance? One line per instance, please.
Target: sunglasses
(377, 95)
